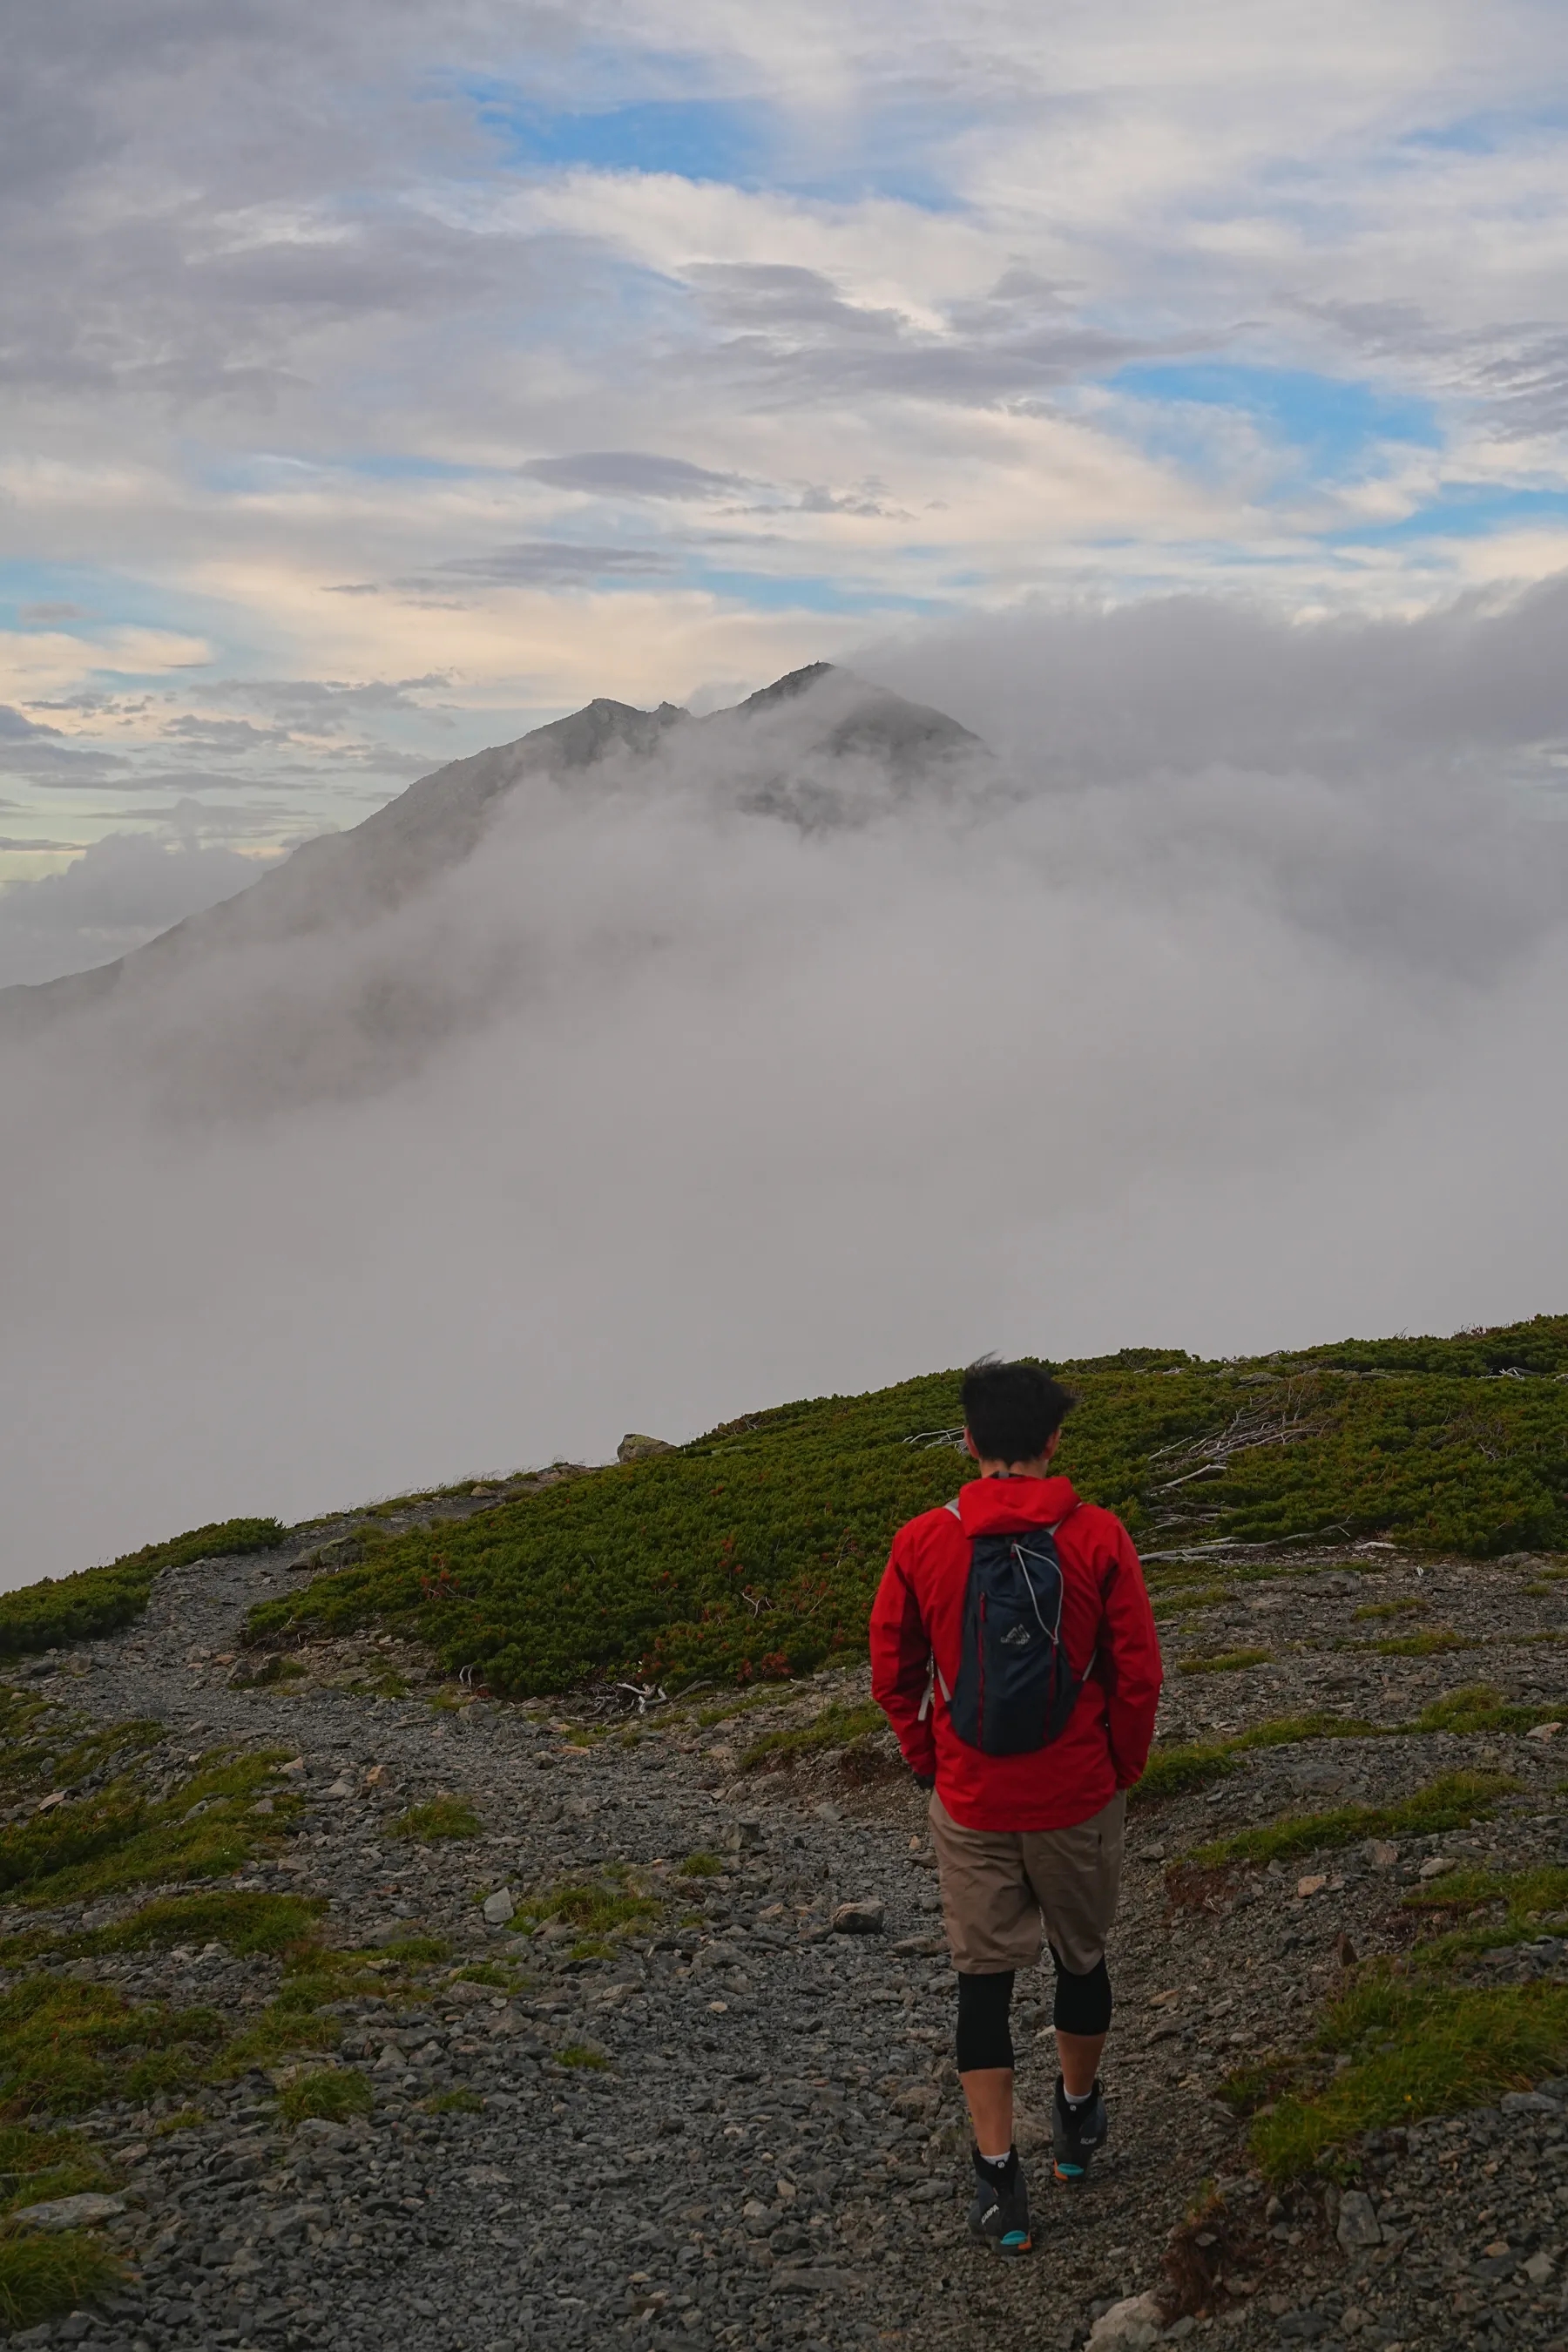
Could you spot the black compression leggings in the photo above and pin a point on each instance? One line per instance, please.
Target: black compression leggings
(1082, 2006)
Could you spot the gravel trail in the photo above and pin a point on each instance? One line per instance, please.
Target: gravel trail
(739, 2126)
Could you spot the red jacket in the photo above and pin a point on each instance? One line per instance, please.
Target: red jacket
(918, 1619)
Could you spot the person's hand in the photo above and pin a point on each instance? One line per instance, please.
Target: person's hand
(925, 1779)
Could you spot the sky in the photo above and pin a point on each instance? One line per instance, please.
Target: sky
(1177, 395)
(379, 381)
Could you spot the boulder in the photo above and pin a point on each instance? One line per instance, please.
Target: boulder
(1130, 2326)
(633, 1447)
(859, 1919)
(68, 2213)
(1357, 2225)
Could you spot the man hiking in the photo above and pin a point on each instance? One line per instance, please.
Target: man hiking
(1014, 1653)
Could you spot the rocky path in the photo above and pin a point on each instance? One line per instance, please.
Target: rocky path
(726, 2123)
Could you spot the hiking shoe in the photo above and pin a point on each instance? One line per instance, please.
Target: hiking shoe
(1077, 2133)
(999, 2218)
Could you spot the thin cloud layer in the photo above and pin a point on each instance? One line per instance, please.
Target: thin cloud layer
(1219, 1007)
(625, 347)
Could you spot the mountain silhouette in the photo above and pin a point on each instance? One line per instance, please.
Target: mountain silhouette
(793, 736)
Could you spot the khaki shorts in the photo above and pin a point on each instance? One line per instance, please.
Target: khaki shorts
(1005, 1892)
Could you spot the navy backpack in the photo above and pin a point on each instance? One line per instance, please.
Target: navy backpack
(1015, 1689)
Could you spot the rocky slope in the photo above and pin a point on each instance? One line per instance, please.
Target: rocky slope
(680, 2108)
(783, 742)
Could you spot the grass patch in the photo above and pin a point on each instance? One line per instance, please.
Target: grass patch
(1183, 1765)
(65, 1609)
(417, 1951)
(580, 2053)
(335, 2094)
(384, 1682)
(454, 2103)
(278, 1668)
(702, 1865)
(1479, 1708)
(1448, 1803)
(245, 1922)
(597, 1910)
(37, 2165)
(442, 1817)
(118, 1837)
(1225, 1662)
(1190, 1598)
(183, 2119)
(1372, 1610)
(487, 1972)
(1529, 1902)
(837, 1726)
(42, 2276)
(67, 2046)
(1417, 2048)
(1430, 1643)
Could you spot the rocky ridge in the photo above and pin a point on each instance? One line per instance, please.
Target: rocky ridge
(718, 2118)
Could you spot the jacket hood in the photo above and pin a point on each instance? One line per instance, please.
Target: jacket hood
(1000, 1506)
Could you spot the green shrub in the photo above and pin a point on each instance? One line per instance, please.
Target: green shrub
(702, 1865)
(95, 1601)
(754, 1553)
(580, 2053)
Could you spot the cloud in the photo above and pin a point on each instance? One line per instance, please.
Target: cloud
(537, 564)
(633, 473)
(124, 890)
(1220, 1008)
(16, 728)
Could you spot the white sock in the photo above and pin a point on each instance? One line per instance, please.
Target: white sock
(996, 2159)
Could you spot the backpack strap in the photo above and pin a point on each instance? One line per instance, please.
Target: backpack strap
(934, 1680)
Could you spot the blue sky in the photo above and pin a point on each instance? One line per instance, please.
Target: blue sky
(392, 384)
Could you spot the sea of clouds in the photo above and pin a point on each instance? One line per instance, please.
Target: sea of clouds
(1218, 1004)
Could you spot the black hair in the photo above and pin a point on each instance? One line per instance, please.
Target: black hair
(1012, 1411)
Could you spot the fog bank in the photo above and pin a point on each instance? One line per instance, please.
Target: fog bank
(1220, 1008)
